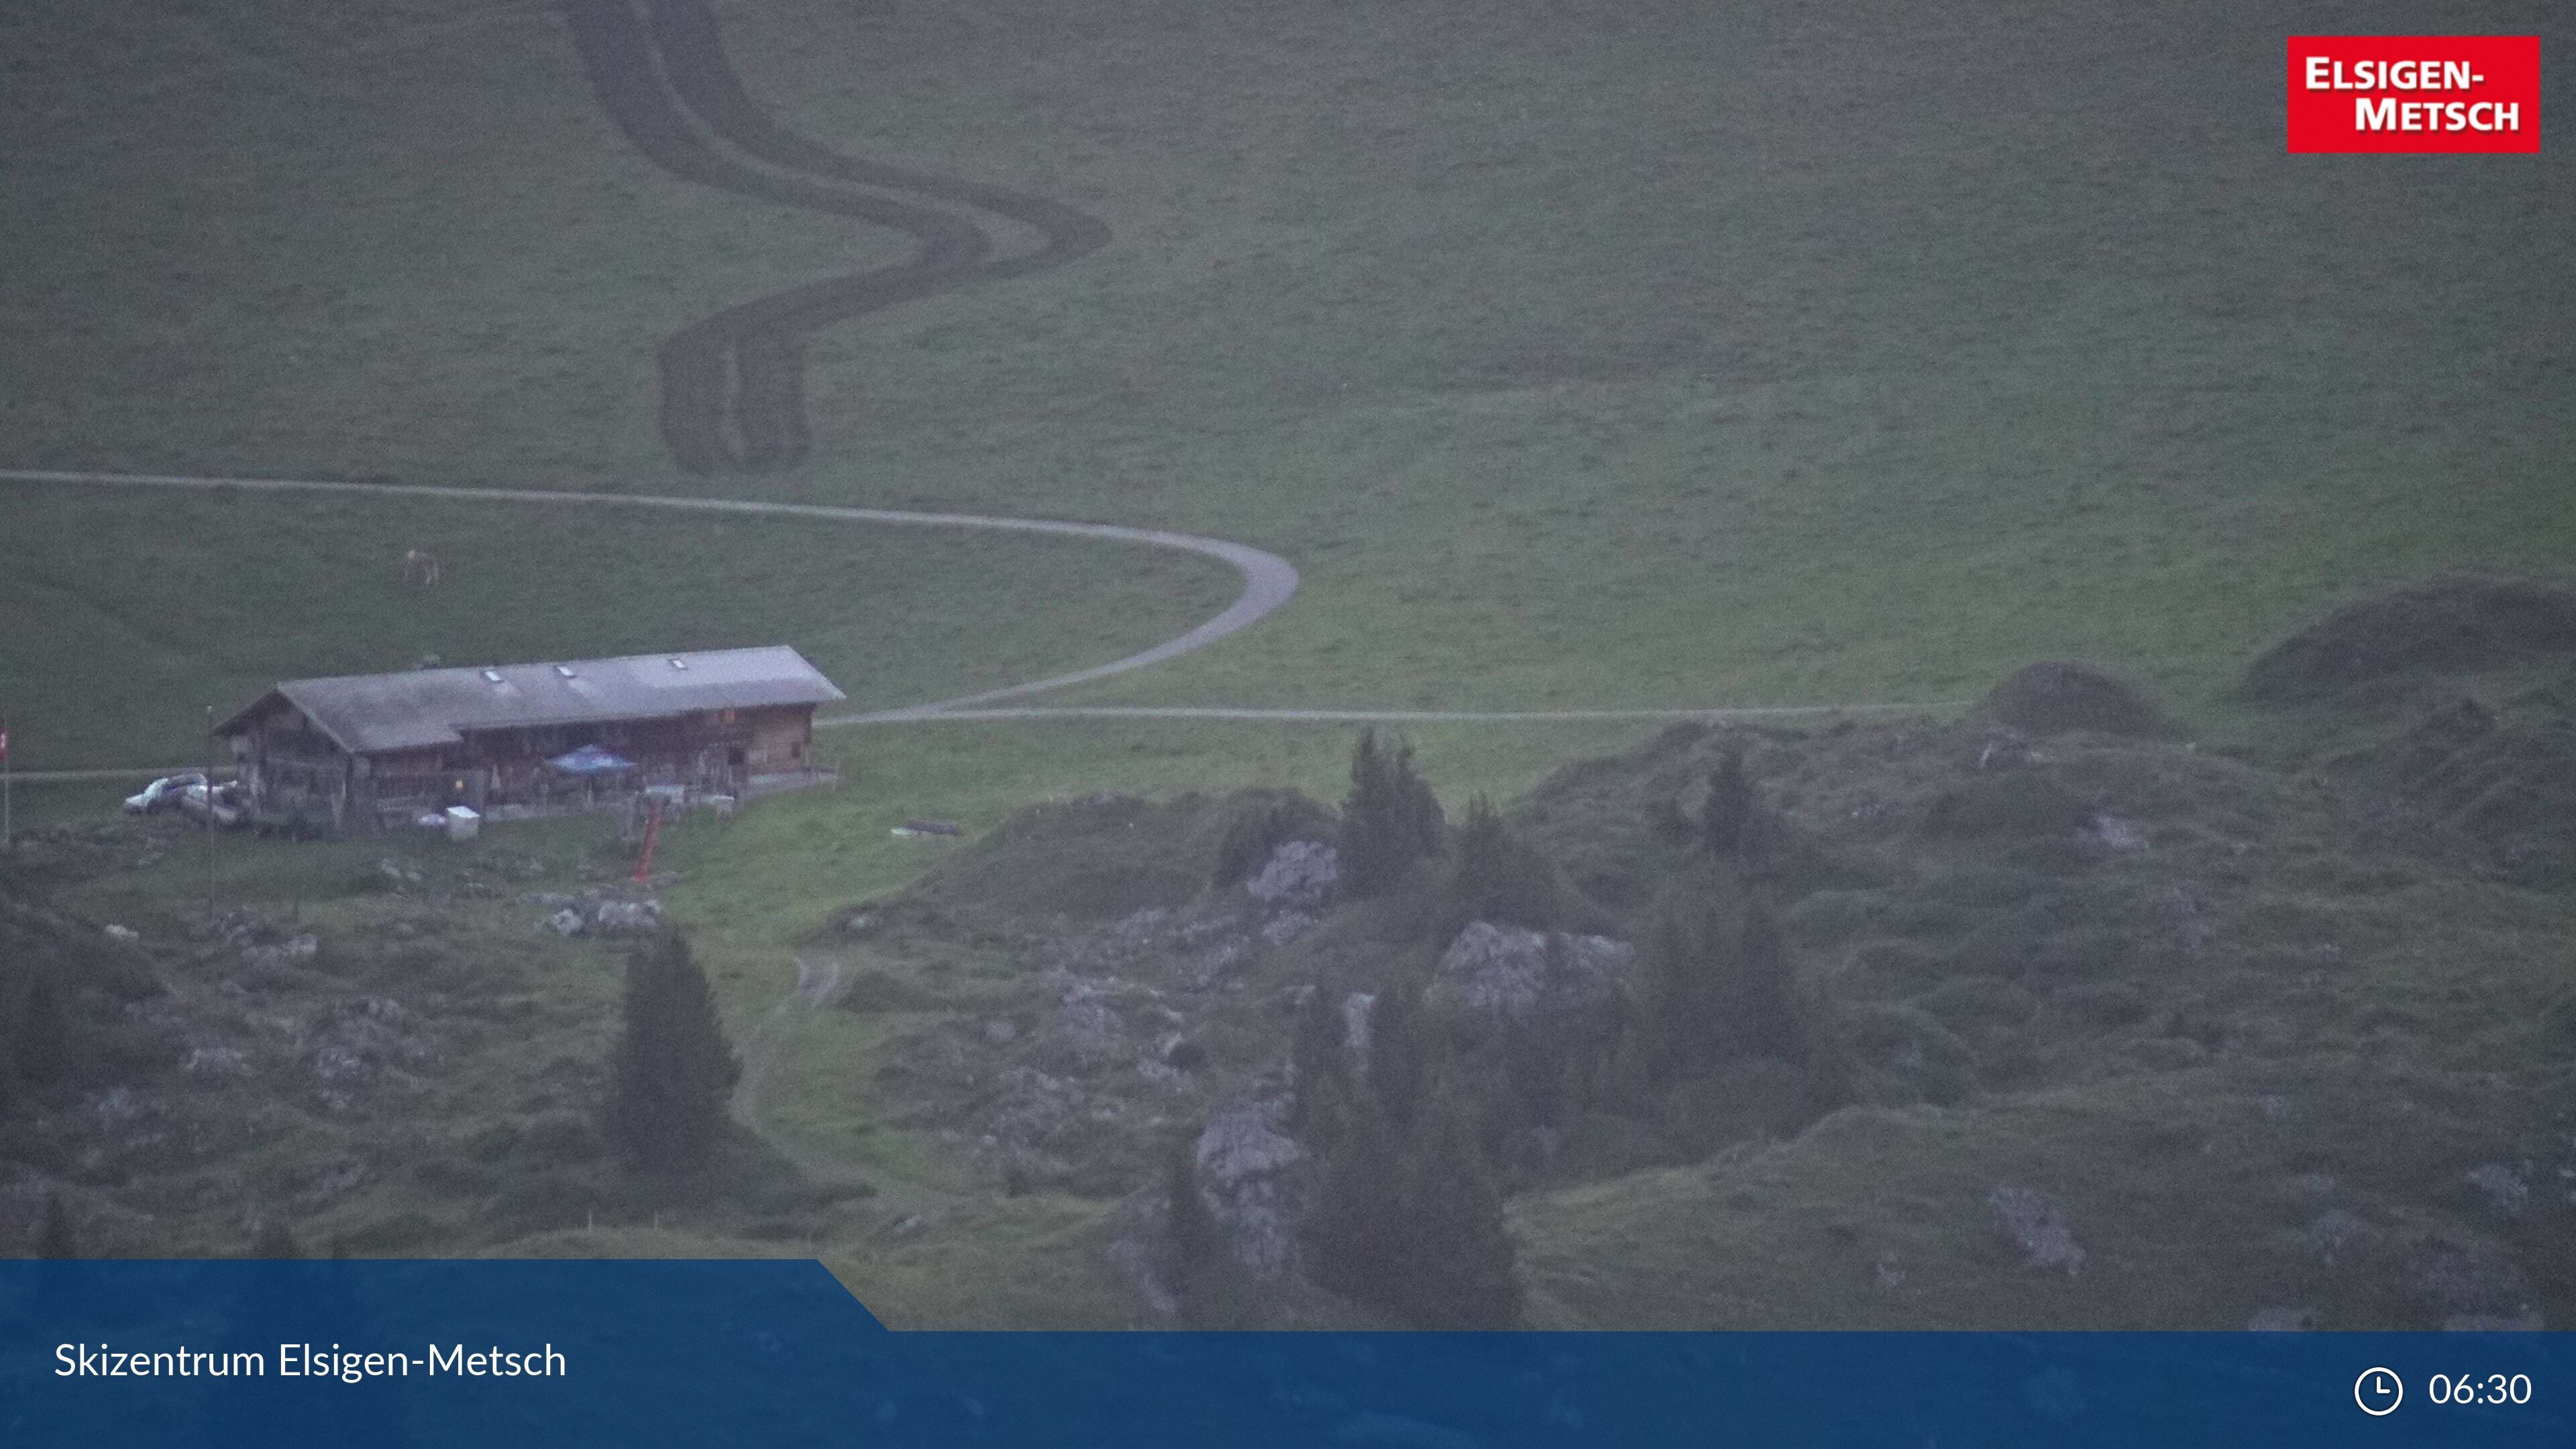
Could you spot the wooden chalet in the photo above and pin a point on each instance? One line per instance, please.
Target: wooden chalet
(361, 752)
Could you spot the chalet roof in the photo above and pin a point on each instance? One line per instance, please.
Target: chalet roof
(369, 713)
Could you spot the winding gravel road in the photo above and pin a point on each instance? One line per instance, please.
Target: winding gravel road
(733, 385)
(1268, 580)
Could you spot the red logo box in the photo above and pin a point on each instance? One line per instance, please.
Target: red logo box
(2414, 93)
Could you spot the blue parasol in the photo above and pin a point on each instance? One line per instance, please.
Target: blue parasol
(590, 760)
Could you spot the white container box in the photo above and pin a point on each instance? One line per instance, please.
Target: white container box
(462, 823)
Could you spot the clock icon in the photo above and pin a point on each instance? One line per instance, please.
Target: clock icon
(2378, 1392)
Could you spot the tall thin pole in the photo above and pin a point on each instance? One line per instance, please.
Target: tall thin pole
(7, 782)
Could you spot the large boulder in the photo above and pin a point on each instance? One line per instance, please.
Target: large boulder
(1506, 975)
(1247, 1170)
(628, 918)
(1297, 877)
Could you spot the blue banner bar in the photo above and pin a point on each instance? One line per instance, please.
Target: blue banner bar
(776, 1353)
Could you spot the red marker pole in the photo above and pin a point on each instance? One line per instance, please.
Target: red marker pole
(652, 832)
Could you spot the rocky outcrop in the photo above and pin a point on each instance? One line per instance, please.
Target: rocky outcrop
(1299, 875)
(599, 915)
(1247, 1170)
(1508, 975)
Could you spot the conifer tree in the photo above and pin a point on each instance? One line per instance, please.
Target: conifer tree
(671, 1072)
(1483, 855)
(1411, 1222)
(1398, 1051)
(1316, 1051)
(1503, 879)
(1729, 812)
(1353, 1234)
(1723, 982)
(1390, 819)
(1684, 1035)
(1456, 1271)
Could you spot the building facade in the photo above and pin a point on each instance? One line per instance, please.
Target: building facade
(359, 752)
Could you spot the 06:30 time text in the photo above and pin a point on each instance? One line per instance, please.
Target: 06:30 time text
(2479, 1389)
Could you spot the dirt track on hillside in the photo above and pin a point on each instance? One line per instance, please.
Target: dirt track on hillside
(1268, 580)
(733, 385)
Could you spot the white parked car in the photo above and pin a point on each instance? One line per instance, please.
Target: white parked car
(221, 803)
(163, 794)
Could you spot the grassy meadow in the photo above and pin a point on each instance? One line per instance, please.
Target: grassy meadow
(144, 605)
(1621, 353)
(1579, 355)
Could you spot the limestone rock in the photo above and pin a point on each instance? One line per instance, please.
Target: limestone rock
(1298, 876)
(1508, 974)
(1247, 1169)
